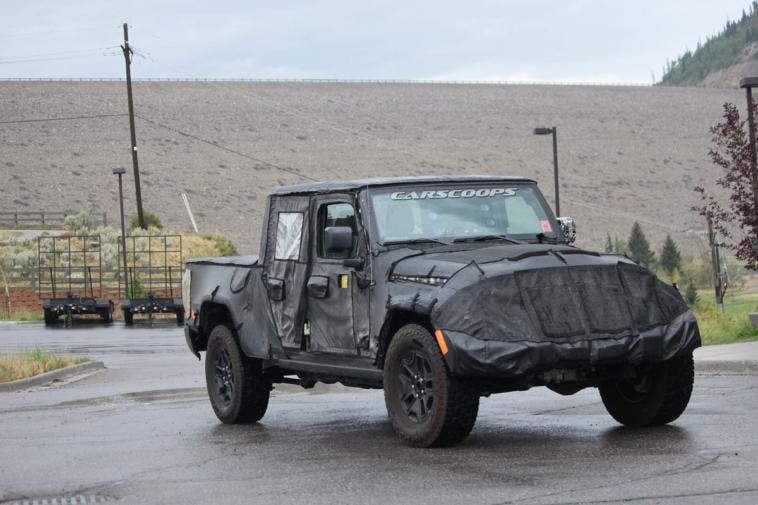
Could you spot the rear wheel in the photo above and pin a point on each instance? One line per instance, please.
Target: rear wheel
(658, 397)
(427, 407)
(237, 386)
(128, 317)
(179, 317)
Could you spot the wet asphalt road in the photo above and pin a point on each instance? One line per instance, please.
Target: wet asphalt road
(142, 431)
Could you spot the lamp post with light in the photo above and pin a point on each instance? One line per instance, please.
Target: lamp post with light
(120, 171)
(554, 132)
(747, 82)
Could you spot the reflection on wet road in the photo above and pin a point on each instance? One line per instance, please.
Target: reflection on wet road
(143, 431)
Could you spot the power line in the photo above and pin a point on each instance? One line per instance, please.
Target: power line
(68, 52)
(63, 55)
(224, 148)
(69, 118)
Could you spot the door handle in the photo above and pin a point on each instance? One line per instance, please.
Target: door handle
(275, 289)
(318, 286)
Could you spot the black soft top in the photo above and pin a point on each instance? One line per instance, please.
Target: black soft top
(331, 186)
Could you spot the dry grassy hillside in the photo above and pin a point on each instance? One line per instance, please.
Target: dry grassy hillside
(626, 153)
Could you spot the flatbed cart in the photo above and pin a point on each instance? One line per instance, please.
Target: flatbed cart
(154, 269)
(70, 278)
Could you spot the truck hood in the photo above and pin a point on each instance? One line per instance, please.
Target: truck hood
(446, 261)
(544, 294)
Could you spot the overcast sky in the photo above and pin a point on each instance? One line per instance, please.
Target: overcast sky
(510, 40)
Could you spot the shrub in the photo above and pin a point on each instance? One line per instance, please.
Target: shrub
(223, 245)
(690, 293)
(151, 221)
(81, 223)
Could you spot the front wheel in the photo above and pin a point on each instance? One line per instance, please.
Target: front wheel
(655, 398)
(237, 386)
(427, 407)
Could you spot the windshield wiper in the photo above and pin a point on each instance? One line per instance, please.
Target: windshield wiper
(488, 237)
(415, 241)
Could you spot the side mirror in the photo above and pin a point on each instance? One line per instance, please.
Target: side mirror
(568, 228)
(338, 239)
(357, 263)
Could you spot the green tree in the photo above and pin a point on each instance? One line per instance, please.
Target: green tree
(690, 293)
(671, 258)
(639, 247)
(609, 244)
(620, 246)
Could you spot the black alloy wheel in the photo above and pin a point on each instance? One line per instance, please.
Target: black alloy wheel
(224, 379)
(416, 386)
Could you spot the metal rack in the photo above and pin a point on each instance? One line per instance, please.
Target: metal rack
(154, 270)
(69, 278)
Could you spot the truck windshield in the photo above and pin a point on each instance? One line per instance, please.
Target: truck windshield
(460, 212)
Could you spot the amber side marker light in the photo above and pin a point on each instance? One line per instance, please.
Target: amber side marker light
(441, 341)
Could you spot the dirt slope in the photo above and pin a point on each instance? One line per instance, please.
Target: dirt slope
(730, 76)
(626, 153)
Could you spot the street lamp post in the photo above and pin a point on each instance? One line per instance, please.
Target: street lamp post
(120, 171)
(554, 132)
(747, 82)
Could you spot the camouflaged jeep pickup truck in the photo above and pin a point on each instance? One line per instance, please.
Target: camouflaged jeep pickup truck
(439, 290)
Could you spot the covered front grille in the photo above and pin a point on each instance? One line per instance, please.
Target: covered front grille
(562, 304)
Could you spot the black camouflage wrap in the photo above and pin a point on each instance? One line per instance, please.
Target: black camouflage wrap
(235, 282)
(507, 310)
(516, 310)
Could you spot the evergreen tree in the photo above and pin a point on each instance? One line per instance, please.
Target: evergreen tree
(639, 247)
(690, 293)
(671, 259)
(619, 246)
(609, 244)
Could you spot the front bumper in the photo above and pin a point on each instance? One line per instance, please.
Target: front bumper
(501, 360)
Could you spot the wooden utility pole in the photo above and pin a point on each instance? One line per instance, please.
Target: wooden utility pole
(128, 58)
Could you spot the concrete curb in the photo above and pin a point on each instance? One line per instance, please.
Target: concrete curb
(726, 367)
(47, 377)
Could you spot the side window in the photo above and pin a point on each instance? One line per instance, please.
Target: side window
(289, 233)
(335, 214)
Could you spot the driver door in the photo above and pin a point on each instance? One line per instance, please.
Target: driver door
(331, 284)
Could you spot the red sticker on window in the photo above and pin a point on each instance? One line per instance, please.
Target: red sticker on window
(545, 225)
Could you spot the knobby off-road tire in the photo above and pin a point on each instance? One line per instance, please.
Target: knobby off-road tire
(128, 318)
(657, 398)
(237, 387)
(427, 406)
